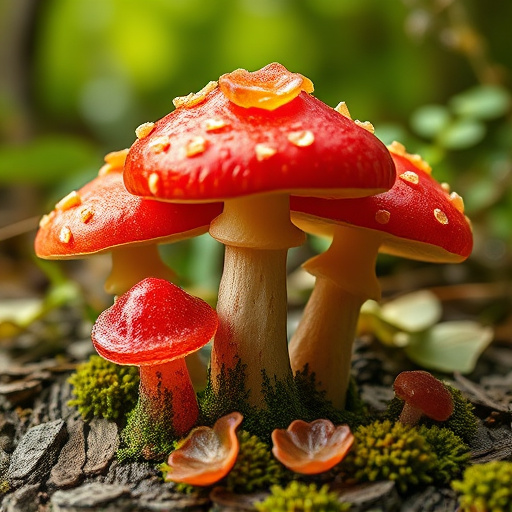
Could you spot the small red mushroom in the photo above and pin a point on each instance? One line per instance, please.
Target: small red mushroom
(423, 395)
(251, 140)
(417, 219)
(154, 325)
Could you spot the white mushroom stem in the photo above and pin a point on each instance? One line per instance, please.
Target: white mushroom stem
(345, 278)
(252, 303)
(133, 263)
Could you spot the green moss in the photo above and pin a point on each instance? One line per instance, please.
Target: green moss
(227, 396)
(462, 422)
(299, 497)
(255, 467)
(390, 451)
(103, 389)
(148, 436)
(318, 406)
(452, 453)
(486, 487)
(279, 411)
(5, 487)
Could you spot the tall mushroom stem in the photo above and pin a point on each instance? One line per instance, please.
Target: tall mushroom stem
(252, 303)
(324, 338)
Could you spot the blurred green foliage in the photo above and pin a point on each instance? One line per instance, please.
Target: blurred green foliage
(78, 76)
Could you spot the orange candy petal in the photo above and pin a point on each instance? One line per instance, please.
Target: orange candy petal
(268, 88)
(207, 454)
(311, 448)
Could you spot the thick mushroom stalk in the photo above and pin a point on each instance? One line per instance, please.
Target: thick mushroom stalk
(252, 303)
(418, 219)
(345, 278)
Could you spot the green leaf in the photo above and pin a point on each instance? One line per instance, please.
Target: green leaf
(428, 121)
(462, 134)
(482, 102)
(413, 312)
(450, 346)
(46, 160)
(17, 314)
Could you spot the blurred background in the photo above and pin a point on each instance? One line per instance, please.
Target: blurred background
(78, 76)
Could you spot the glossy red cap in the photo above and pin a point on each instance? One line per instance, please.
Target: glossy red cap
(423, 391)
(152, 323)
(103, 215)
(418, 218)
(256, 133)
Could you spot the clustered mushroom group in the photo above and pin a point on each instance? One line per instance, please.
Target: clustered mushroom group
(259, 161)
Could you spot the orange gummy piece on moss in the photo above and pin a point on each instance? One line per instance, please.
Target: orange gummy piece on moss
(268, 88)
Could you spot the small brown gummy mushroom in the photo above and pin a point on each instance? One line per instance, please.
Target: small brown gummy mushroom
(423, 394)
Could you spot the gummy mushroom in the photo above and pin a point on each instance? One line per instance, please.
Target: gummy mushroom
(417, 219)
(250, 141)
(423, 395)
(311, 448)
(103, 217)
(154, 325)
(207, 454)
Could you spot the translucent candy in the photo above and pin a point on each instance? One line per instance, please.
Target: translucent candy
(268, 88)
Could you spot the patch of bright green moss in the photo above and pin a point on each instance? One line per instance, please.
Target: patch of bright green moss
(255, 467)
(103, 389)
(452, 453)
(299, 497)
(486, 487)
(390, 451)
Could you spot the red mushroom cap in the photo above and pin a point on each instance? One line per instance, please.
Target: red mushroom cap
(418, 218)
(152, 323)
(423, 391)
(211, 148)
(102, 215)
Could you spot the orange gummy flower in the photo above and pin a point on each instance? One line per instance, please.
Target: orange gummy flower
(311, 448)
(268, 88)
(207, 454)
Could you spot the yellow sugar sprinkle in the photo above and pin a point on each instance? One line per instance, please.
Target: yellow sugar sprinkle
(144, 130)
(153, 183)
(411, 177)
(440, 216)
(212, 125)
(65, 235)
(194, 98)
(302, 138)
(160, 144)
(46, 219)
(342, 108)
(67, 202)
(86, 215)
(116, 158)
(263, 152)
(195, 146)
(366, 125)
(457, 201)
